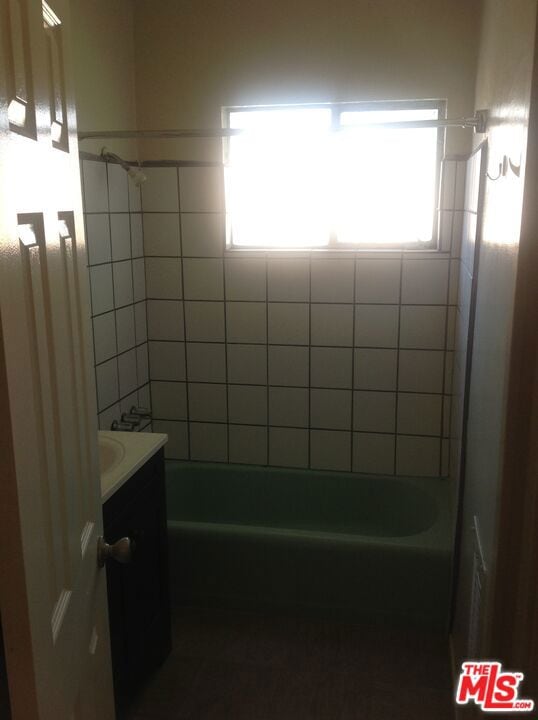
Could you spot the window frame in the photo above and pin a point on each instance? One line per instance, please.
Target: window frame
(337, 108)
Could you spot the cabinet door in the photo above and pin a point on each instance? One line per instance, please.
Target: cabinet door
(138, 592)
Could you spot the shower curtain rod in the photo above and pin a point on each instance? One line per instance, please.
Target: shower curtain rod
(478, 122)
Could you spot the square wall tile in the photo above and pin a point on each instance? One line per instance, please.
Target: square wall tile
(141, 325)
(332, 280)
(288, 279)
(425, 281)
(127, 372)
(203, 234)
(167, 360)
(245, 279)
(330, 409)
(331, 325)
(206, 362)
(177, 447)
(163, 278)
(419, 414)
(165, 320)
(137, 235)
(102, 289)
(248, 444)
(205, 321)
(288, 365)
(247, 364)
(418, 456)
(288, 447)
(139, 279)
(421, 371)
(95, 186)
(201, 189)
(288, 323)
(289, 407)
(207, 402)
(125, 327)
(331, 367)
(204, 279)
(246, 322)
(161, 234)
(373, 453)
(104, 337)
(376, 326)
(160, 191)
(118, 192)
(106, 376)
(375, 369)
(422, 327)
(120, 236)
(98, 239)
(377, 281)
(209, 442)
(123, 283)
(374, 412)
(247, 404)
(169, 400)
(330, 450)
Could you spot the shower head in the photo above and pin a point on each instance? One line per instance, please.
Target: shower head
(135, 173)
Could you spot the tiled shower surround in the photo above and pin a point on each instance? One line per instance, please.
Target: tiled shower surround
(339, 361)
(113, 221)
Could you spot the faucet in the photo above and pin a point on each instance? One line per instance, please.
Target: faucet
(140, 412)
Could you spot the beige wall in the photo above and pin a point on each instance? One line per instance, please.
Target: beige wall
(194, 57)
(503, 85)
(103, 52)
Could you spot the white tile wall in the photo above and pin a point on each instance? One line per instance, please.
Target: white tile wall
(204, 279)
(114, 236)
(332, 325)
(120, 236)
(245, 279)
(333, 362)
(202, 234)
(161, 234)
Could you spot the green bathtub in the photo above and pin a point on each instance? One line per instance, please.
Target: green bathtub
(253, 537)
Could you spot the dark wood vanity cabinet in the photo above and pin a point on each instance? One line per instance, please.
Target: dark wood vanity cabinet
(138, 592)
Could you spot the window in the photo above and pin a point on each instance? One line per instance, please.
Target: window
(332, 176)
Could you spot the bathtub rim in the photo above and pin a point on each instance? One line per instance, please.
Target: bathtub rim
(438, 537)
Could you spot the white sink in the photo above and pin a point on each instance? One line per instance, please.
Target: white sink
(121, 454)
(111, 453)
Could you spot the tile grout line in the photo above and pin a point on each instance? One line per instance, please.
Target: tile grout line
(185, 353)
(354, 315)
(395, 457)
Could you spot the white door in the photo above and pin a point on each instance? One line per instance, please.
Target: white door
(52, 594)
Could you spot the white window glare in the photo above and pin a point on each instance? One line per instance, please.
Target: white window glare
(314, 177)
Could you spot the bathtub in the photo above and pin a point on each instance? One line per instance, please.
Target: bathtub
(245, 536)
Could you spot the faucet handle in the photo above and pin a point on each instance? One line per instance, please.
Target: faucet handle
(140, 412)
(131, 418)
(124, 426)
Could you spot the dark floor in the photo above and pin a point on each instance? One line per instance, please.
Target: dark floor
(251, 666)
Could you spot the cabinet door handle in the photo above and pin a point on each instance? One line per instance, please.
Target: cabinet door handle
(121, 551)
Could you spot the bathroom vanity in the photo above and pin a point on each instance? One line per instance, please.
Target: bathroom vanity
(134, 507)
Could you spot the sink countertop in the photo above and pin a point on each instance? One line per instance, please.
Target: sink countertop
(122, 454)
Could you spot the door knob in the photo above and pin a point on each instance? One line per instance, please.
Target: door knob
(121, 551)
